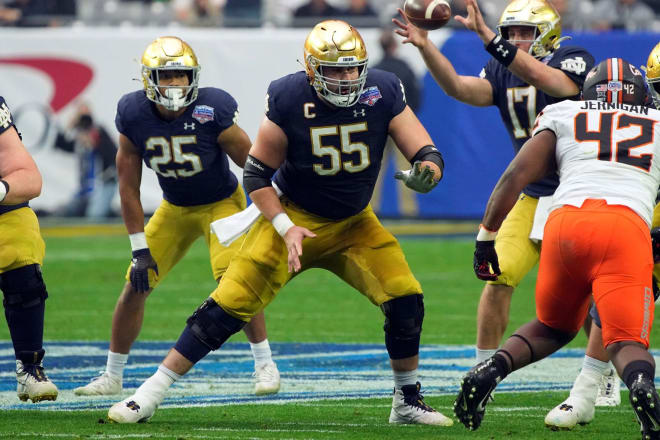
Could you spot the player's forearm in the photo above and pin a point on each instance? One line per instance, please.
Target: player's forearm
(501, 201)
(441, 69)
(24, 185)
(131, 211)
(267, 201)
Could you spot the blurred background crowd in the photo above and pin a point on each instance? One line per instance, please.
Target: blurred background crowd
(630, 15)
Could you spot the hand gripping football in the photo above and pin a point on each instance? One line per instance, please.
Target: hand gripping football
(427, 14)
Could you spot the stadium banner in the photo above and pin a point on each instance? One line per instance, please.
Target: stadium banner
(47, 73)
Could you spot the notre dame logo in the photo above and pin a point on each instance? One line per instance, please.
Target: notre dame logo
(576, 65)
(5, 115)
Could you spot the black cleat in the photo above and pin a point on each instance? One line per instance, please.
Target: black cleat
(646, 404)
(476, 388)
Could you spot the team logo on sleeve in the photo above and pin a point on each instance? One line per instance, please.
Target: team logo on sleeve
(576, 65)
(5, 116)
(203, 113)
(370, 96)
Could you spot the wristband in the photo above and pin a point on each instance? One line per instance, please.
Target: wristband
(4, 189)
(138, 241)
(486, 234)
(502, 50)
(282, 223)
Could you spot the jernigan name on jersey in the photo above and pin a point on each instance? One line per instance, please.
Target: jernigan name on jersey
(605, 151)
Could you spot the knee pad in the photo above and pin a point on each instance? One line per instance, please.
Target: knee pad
(212, 325)
(23, 287)
(403, 325)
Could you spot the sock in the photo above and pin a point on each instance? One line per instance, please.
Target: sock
(402, 378)
(261, 352)
(26, 327)
(115, 364)
(595, 367)
(156, 386)
(501, 365)
(635, 368)
(483, 354)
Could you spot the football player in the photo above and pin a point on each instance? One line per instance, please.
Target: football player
(596, 237)
(184, 134)
(528, 70)
(325, 131)
(21, 256)
(580, 405)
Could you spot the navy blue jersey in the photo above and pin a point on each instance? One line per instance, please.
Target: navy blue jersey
(184, 153)
(519, 102)
(7, 123)
(334, 153)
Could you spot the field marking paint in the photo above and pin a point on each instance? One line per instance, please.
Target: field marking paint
(311, 372)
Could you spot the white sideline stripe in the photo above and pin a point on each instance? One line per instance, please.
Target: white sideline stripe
(270, 430)
(120, 436)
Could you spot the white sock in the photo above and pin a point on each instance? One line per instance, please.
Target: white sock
(485, 353)
(402, 378)
(115, 364)
(156, 386)
(261, 352)
(594, 366)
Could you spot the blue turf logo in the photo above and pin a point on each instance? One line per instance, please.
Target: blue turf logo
(309, 372)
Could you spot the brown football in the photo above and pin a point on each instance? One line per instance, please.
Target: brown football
(427, 14)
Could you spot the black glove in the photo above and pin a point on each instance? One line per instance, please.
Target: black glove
(140, 264)
(655, 243)
(485, 257)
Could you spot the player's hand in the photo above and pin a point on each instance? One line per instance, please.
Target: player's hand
(418, 179)
(412, 34)
(141, 263)
(485, 257)
(655, 243)
(475, 21)
(293, 240)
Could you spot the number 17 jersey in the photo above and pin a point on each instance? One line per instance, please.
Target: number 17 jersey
(606, 151)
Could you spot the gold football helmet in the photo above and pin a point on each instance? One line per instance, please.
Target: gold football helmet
(653, 75)
(536, 13)
(170, 53)
(335, 43)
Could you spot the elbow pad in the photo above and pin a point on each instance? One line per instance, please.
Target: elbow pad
(256, 174)
(431, 154)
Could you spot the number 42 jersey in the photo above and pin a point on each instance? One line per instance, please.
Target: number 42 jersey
(191, 167)
(607, 151)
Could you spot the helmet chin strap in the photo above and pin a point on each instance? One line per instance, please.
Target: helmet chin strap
(175, 99)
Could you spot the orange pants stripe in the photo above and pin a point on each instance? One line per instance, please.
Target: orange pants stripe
(599, 248)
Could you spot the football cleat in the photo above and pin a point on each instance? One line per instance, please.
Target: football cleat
(32, 382)
(408, 407)
(103, 385)
(646, 404)
(609, 390)
(572, 411)
(476, 389)
(133, 409)
(267, 379)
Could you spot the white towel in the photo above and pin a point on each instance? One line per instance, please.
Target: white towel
(228, 229)
(540, 217)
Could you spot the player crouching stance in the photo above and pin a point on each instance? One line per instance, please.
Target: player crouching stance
(325, 131)
(596, 239)
(21, 255)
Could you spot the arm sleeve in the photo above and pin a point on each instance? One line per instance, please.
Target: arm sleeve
(273, 105)
(399, 103)
(489, 72)
(226, 111)
(6, 119)
(546, 120)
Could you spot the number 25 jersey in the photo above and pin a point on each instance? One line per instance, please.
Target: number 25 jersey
(605, 151)
(334, 153)
(191, 167)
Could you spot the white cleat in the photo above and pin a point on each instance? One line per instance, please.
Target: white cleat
(572, 411)
(33, 384)
(267, 379)
(132, 410)
(103, 385)
(408, 407)
(609, 390)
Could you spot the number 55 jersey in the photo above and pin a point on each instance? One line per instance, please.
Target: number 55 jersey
(606, 151)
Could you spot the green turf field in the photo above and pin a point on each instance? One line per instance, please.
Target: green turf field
(85, 274)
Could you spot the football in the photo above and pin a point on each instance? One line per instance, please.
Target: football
(427, 14)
